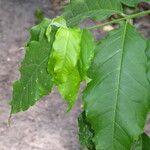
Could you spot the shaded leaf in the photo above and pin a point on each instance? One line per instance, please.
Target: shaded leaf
(132, 3)
(143, 143)
(117, 99)
(85, 132)
(39, 15)
(35, 81)
(79, 10)
(137, 145)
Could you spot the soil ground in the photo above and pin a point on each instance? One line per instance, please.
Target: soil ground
(45, 126)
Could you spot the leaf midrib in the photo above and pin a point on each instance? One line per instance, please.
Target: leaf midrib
(118, 83)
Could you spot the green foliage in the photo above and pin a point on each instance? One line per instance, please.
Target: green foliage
(143, 143)
(58, 49)
(35, 81)
(55, 23)
(86, 54)
(148, 56)
(133, 3)
(85, 132)
(39, 14)
(67, 64)
(138, 145)
(78, 10)
(118, 92)
(117, 72)
(66, 52)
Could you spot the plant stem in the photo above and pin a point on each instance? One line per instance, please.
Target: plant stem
(127, 17)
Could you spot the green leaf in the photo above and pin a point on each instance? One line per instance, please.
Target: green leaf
(148, 56)
(79, 10)
(37, 32)
(39, 15)
(63, 63)
(132, 3)
(72, 54)
(143, 143)
(116, 100)
(85, 132)
(35, 81)
(137, 145)
(56, 22)
(87, 52)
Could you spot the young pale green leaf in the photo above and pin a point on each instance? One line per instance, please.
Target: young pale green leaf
(63, 63)
(35, 81)
(79, 10)
(117, 99)
(87, 46)
(56, 22)
(143, 143)
(132, 3)
(85, 132)
(73, 51)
